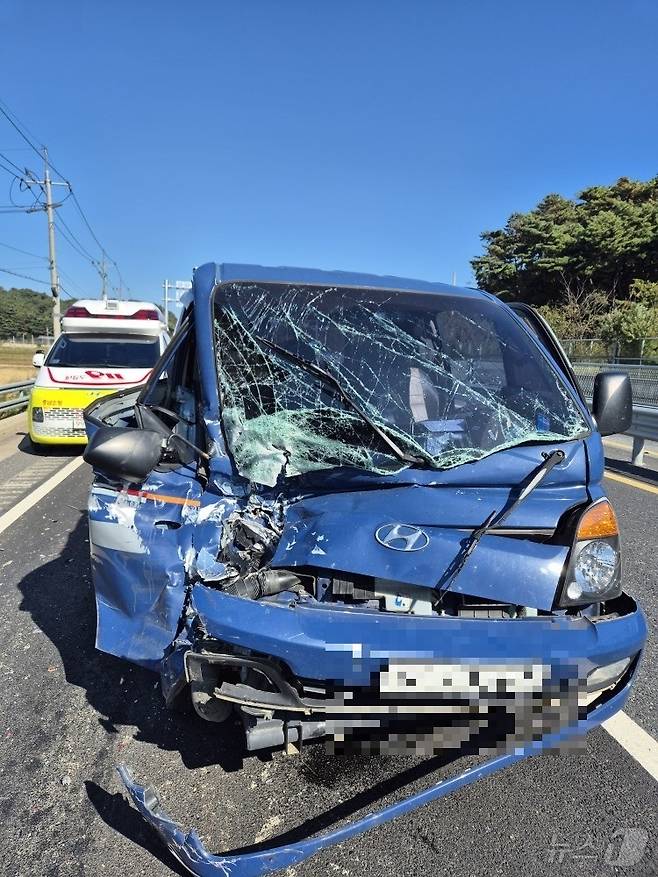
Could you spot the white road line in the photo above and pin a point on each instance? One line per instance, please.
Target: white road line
(26, 504)
(635, 740)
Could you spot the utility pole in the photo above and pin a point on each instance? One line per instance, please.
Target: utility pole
(52, 256)
(165, 286)
(103, 274)
(46, 186)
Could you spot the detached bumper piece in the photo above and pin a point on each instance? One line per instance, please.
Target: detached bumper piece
(189, 851)
(187, 848)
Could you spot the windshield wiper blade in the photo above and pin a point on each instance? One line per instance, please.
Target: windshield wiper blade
(328, 378)
(496, 518)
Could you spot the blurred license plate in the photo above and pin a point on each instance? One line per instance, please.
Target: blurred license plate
(431, 677)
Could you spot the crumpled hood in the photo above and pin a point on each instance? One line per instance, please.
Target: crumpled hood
(336, 531)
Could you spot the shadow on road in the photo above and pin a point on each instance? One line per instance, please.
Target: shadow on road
(643, 473)
(59, 597)
(116, 812)
(25, 446)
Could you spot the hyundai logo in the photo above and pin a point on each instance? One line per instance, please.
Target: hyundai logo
(402, 537)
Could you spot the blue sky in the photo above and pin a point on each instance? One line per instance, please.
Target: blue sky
(377, 136)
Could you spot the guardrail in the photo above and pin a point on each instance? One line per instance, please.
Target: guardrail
(644, 427)
(20, 393)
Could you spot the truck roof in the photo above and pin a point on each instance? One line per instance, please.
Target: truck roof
(211, 274)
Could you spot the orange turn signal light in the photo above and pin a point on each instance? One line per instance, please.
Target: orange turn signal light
(598, 521)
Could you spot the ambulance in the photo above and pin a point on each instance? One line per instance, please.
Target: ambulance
(105, 346)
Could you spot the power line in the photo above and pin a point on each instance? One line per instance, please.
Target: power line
(24, 252)
(85, 251)
(91, 232)
(21, 208)
(5, 112)
(34, 280)
(121, 280)
(86, 222)
(72, 281)
(94, 236)
(20, 170)
(32, 207)
(13, 208)
(24, 276)
(20, 122)
(73, 241)
(45, 259)
(27, 184)
(8, 169)
(21, 128)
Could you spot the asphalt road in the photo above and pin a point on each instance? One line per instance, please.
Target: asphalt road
(68, 714)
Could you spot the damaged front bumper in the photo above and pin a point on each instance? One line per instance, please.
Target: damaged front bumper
(187, 848)
(295, 642)
(297, 671)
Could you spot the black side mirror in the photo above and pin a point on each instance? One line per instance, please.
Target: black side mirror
(127, 454)
(612, 402)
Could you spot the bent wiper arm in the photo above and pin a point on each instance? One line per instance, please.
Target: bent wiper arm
(496, 518)
(328, 378)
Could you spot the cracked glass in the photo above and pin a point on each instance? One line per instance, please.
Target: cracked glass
(315, 378)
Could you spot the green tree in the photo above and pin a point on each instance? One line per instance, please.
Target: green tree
(634, 320)
(565, 251)
(645, 292)
(24, 310)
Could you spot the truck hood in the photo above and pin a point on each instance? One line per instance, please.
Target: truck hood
(341, 532)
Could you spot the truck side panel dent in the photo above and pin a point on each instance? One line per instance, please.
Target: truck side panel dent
(139, 541)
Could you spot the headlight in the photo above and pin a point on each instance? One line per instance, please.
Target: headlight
(608, 674)
(37, 415)
(594, 571)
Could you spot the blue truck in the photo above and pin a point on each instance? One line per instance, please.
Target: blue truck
(367, 511)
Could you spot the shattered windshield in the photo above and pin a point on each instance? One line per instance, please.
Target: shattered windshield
(316, 378)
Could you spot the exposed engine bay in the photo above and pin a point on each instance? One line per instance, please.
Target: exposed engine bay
(281, 709)
(242, 568)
